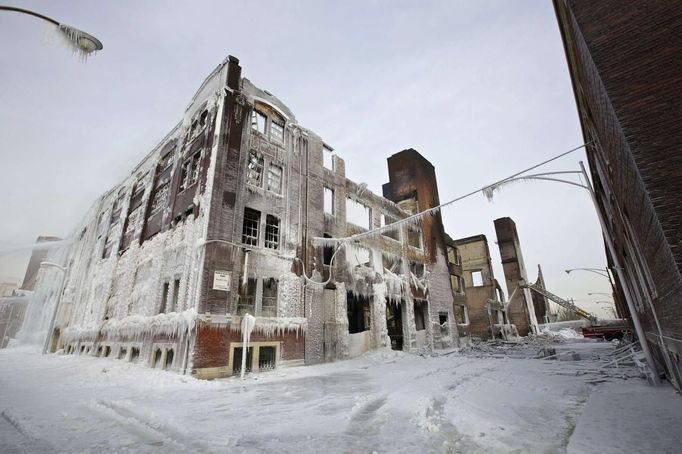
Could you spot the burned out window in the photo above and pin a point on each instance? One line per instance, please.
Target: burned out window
(131, 226)
(461, 314)
(271, 232)
(477, 278)
(391, 263)
(254, 172)
(358, 213)
(277, 130)
(203, 119)
(327, 157)
(391, 232)
(258, 121)
(417, 269)
(251, 227)
(173, 303)
(164, 297)
(327, 252)
(420, 314)
(247, 297)
(359, 315)
(457, 284)
(275, 179)
(166, 161)
(329, 201)
(414, 237)
(269, 302)
(160, 198)
(189, 173)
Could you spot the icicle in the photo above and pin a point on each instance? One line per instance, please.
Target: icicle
(248, 322)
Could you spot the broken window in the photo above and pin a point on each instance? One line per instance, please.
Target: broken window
(277, 130)
(391, 262)
(166, 161)
(457, 283)
(269, 302)
(237, 360)
(358, 313)
(203, 120)
(160, 198)
(453, 255)
(417, 269)
(420, 314)
(134, 354)
(358, 214)
(327, 158)
(414, 237)
(254, 173)
(251, 226)
(477, 278)
(247, 297)
(275, 179)
(189, 172)
(258, 120)
(443, 321)
(271, 232)
(329, 201)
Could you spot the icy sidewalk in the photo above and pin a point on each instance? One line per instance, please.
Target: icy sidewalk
(381, 402)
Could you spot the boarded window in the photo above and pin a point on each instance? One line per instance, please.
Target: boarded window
(477, 278)
(254, 173)
(271, 232)
(275, 179)
(329, 201)
(258, 121)
(269, 303)
(247, 297)
(358, 214)
(251, 226)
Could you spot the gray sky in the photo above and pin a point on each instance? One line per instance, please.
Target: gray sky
(481, 89)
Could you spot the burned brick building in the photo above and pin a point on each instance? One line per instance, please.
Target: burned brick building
(240, 210)
(625, 66)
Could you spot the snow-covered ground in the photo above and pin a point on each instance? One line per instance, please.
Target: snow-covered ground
(495, 398)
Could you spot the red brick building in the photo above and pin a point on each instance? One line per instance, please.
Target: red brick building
(625, 61)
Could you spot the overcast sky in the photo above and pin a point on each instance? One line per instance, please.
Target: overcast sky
(481, 89)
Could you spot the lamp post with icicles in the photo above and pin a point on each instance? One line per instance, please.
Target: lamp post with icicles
(80, 42)
(559, 177)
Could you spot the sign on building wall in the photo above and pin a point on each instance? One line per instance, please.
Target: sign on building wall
(221, 280)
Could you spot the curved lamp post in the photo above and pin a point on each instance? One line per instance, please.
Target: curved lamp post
(82, 43)
(558, 177)
(63, 269)
(599, 271)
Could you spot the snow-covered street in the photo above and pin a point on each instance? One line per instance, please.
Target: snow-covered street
(480, 401)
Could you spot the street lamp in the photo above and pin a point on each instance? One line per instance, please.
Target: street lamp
(80, 42)
(558, 177)
(599, 271)
(63, 269)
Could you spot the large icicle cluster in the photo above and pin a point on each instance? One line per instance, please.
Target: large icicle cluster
(274, 326)
(173, 324)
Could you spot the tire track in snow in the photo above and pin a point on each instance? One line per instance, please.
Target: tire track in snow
(158, 434)
(36, 443)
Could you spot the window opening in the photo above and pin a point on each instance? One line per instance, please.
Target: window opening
(267, 358)
(329, 201)
(394, 324)
(420, 314)
(358, 313)
(269, 303)
(176, 295)
(393, 233)
(327, 157)
(160, 198)
(277, 130)
(247, 298)
(414, 237)
(164, 297)
(275, 179)
(251, 226)
(358, 214)
(122, 353)
(391, 263)
(134, 354)
(157, 358)
(237, 360)
(169, 359)
(254, 174)
(477, 278)
(258, 120)
(271, 232)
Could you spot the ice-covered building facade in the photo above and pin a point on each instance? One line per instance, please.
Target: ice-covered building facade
(238, 210)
